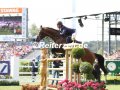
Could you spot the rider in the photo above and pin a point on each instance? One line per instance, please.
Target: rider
(65, 31)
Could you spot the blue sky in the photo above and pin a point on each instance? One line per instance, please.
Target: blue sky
(48, 12)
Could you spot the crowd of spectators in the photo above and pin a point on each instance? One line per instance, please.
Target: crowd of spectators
(113, 55)
(10, 49)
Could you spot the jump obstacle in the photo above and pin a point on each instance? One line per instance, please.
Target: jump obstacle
(67, 66)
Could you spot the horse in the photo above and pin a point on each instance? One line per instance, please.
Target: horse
(57, 38)
(52, 33)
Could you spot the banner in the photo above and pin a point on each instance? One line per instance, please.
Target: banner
(4, 67)
(10, 10)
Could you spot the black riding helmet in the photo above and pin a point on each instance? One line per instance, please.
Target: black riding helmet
(59, 23)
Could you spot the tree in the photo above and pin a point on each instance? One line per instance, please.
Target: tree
(100, 51)
(34, 30)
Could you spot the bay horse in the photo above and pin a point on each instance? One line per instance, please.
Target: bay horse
(57, 38)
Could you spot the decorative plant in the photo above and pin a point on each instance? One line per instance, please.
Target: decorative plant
(78, 52)
(75, 67)
(86, 68)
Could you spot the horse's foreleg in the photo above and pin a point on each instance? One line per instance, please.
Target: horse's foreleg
(54, 52)
(58, 50)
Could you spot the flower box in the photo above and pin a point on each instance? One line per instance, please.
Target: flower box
(90, 85)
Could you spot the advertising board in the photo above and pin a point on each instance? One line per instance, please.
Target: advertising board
(113, 66)
(13, 23)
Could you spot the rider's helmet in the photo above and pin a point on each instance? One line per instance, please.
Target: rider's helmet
(59, 23)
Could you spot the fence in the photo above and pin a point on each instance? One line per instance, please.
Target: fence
(25, 67)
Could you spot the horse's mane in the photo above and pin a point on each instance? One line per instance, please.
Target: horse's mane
(51, 29)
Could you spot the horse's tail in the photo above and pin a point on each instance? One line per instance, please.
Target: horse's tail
(101, 60)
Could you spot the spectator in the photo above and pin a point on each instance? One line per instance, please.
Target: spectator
(57, 64)
(33, 70)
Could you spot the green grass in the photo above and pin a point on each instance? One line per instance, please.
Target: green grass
(10, 87)
(113, 87)
(113, 82)
(6, 32)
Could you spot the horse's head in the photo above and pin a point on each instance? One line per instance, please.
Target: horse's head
(41, 34)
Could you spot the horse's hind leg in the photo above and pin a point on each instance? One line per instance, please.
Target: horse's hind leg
(101, 60)
(101, 63)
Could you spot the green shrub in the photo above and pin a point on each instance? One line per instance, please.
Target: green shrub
(24, 63)
(9, 83)
(75, 67)
(89, 76)
(78, 52)
(24, 69)
(14, 83)
(86, 67)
